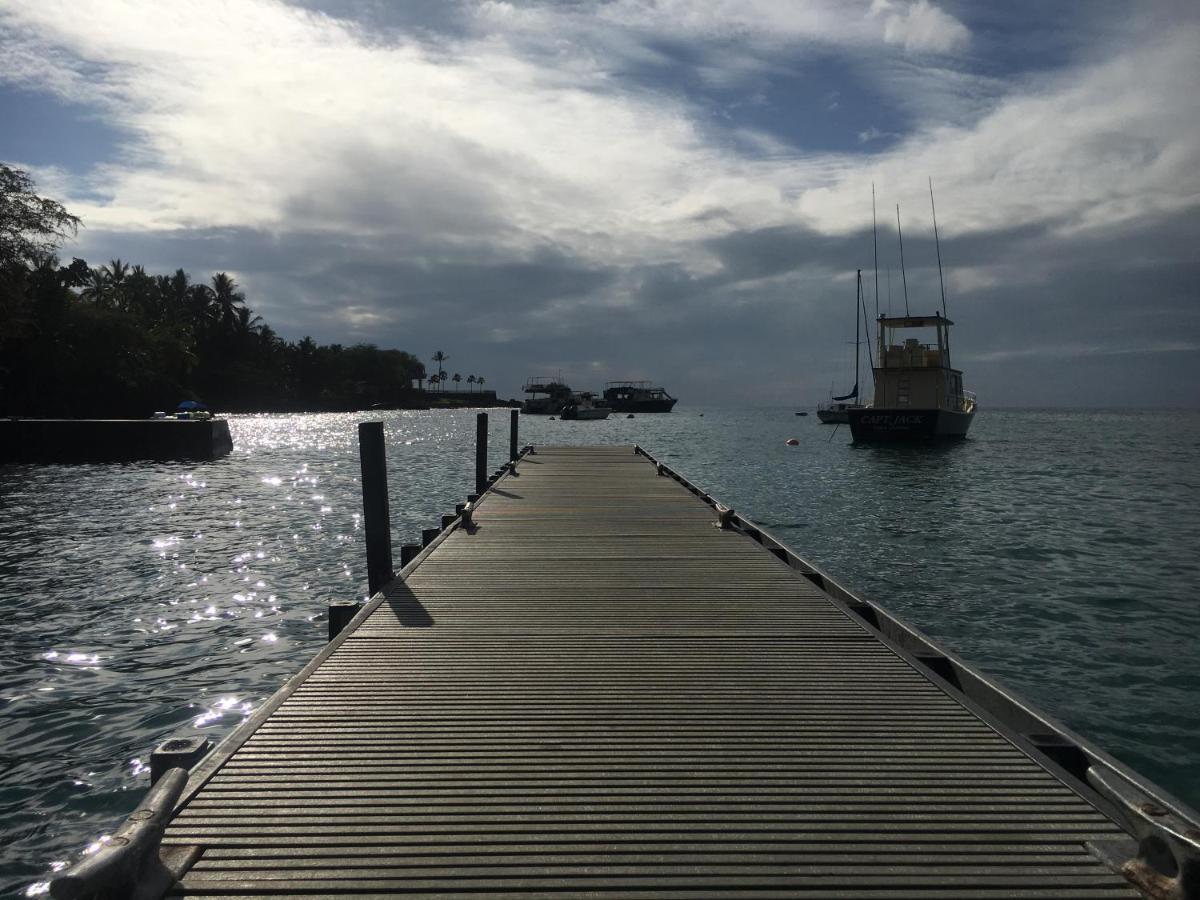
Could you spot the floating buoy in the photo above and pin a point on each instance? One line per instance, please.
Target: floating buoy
(792, 442)
(552, 418)
(630, 416)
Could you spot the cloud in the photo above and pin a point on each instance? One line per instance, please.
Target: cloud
(392, 183)
(920, 26)
(875, 134)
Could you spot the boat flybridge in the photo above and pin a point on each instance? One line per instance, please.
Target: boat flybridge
(918, 395)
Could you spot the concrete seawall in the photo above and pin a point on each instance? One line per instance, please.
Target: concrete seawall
(112, 440)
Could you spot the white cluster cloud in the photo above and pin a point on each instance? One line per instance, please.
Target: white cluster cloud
(920, 26)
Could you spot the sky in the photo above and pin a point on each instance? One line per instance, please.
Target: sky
(678, 190)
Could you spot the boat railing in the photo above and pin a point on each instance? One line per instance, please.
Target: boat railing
(544, 386)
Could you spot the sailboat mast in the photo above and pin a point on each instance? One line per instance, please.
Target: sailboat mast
(875, 244)
(938, 244)
(900, 234)
(858, 299)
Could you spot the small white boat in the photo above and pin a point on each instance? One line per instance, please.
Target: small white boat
(584, 406)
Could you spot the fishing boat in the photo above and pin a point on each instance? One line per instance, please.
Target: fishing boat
(918, 394)
(583, 406)
(837, 410)
(547, 396)
(637, 397)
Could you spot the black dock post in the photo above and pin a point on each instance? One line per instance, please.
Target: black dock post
(340, 614)
(512, 435)
(481, 436)
(376, 512)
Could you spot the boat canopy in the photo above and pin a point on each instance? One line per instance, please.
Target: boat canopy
(914, 321)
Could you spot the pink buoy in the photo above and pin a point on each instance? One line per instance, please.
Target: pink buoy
(792, 442)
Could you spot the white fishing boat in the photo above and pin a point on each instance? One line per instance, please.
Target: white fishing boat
(583, 406)
(919, 395)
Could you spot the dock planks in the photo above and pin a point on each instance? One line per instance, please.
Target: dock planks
(598, 693)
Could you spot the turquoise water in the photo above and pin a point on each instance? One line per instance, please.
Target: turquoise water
(1054, 550)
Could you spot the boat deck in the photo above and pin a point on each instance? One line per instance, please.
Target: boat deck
(598, 693)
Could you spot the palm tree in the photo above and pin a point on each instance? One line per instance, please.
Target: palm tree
(479, 381)
(104, 285)
(247, 329)
(115, 272)
(457, 379)
(226, 298)
(439, 357)
(95, 289)
(471, 380)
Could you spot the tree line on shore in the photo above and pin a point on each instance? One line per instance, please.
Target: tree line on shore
(116, 340)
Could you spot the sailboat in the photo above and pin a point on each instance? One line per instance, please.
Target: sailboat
(837, 410)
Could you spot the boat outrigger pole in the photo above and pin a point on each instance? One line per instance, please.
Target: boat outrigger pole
(938, 244)
(903, 275)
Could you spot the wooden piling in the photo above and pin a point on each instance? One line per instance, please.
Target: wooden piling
(513, 416)
(481, 454)
(376, 511)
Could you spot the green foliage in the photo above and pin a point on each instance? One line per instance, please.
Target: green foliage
(31, 227)
(117, 341)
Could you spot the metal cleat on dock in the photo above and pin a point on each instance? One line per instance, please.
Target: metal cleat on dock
(1167, 864)
(128, 866)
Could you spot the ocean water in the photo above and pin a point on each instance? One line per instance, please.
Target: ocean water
(1055, 550)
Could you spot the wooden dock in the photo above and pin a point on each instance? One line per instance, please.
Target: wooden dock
(596, 691)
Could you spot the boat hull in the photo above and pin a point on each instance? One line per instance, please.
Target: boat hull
(541, 406)
(895, 425)
(642, 406)
(584, 415)
(836, 414)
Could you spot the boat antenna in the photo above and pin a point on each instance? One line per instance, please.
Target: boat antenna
(938, 244)
(875, 244)
(900, 234)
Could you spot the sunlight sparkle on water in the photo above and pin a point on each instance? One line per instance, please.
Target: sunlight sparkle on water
(218, 709)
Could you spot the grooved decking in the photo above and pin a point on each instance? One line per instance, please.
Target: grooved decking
(598, 693)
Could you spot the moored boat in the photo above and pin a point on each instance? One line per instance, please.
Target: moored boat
(918, 394)
(837, 410)
(834, 413)
(547, 396)
(584, 406)
(637, 397)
